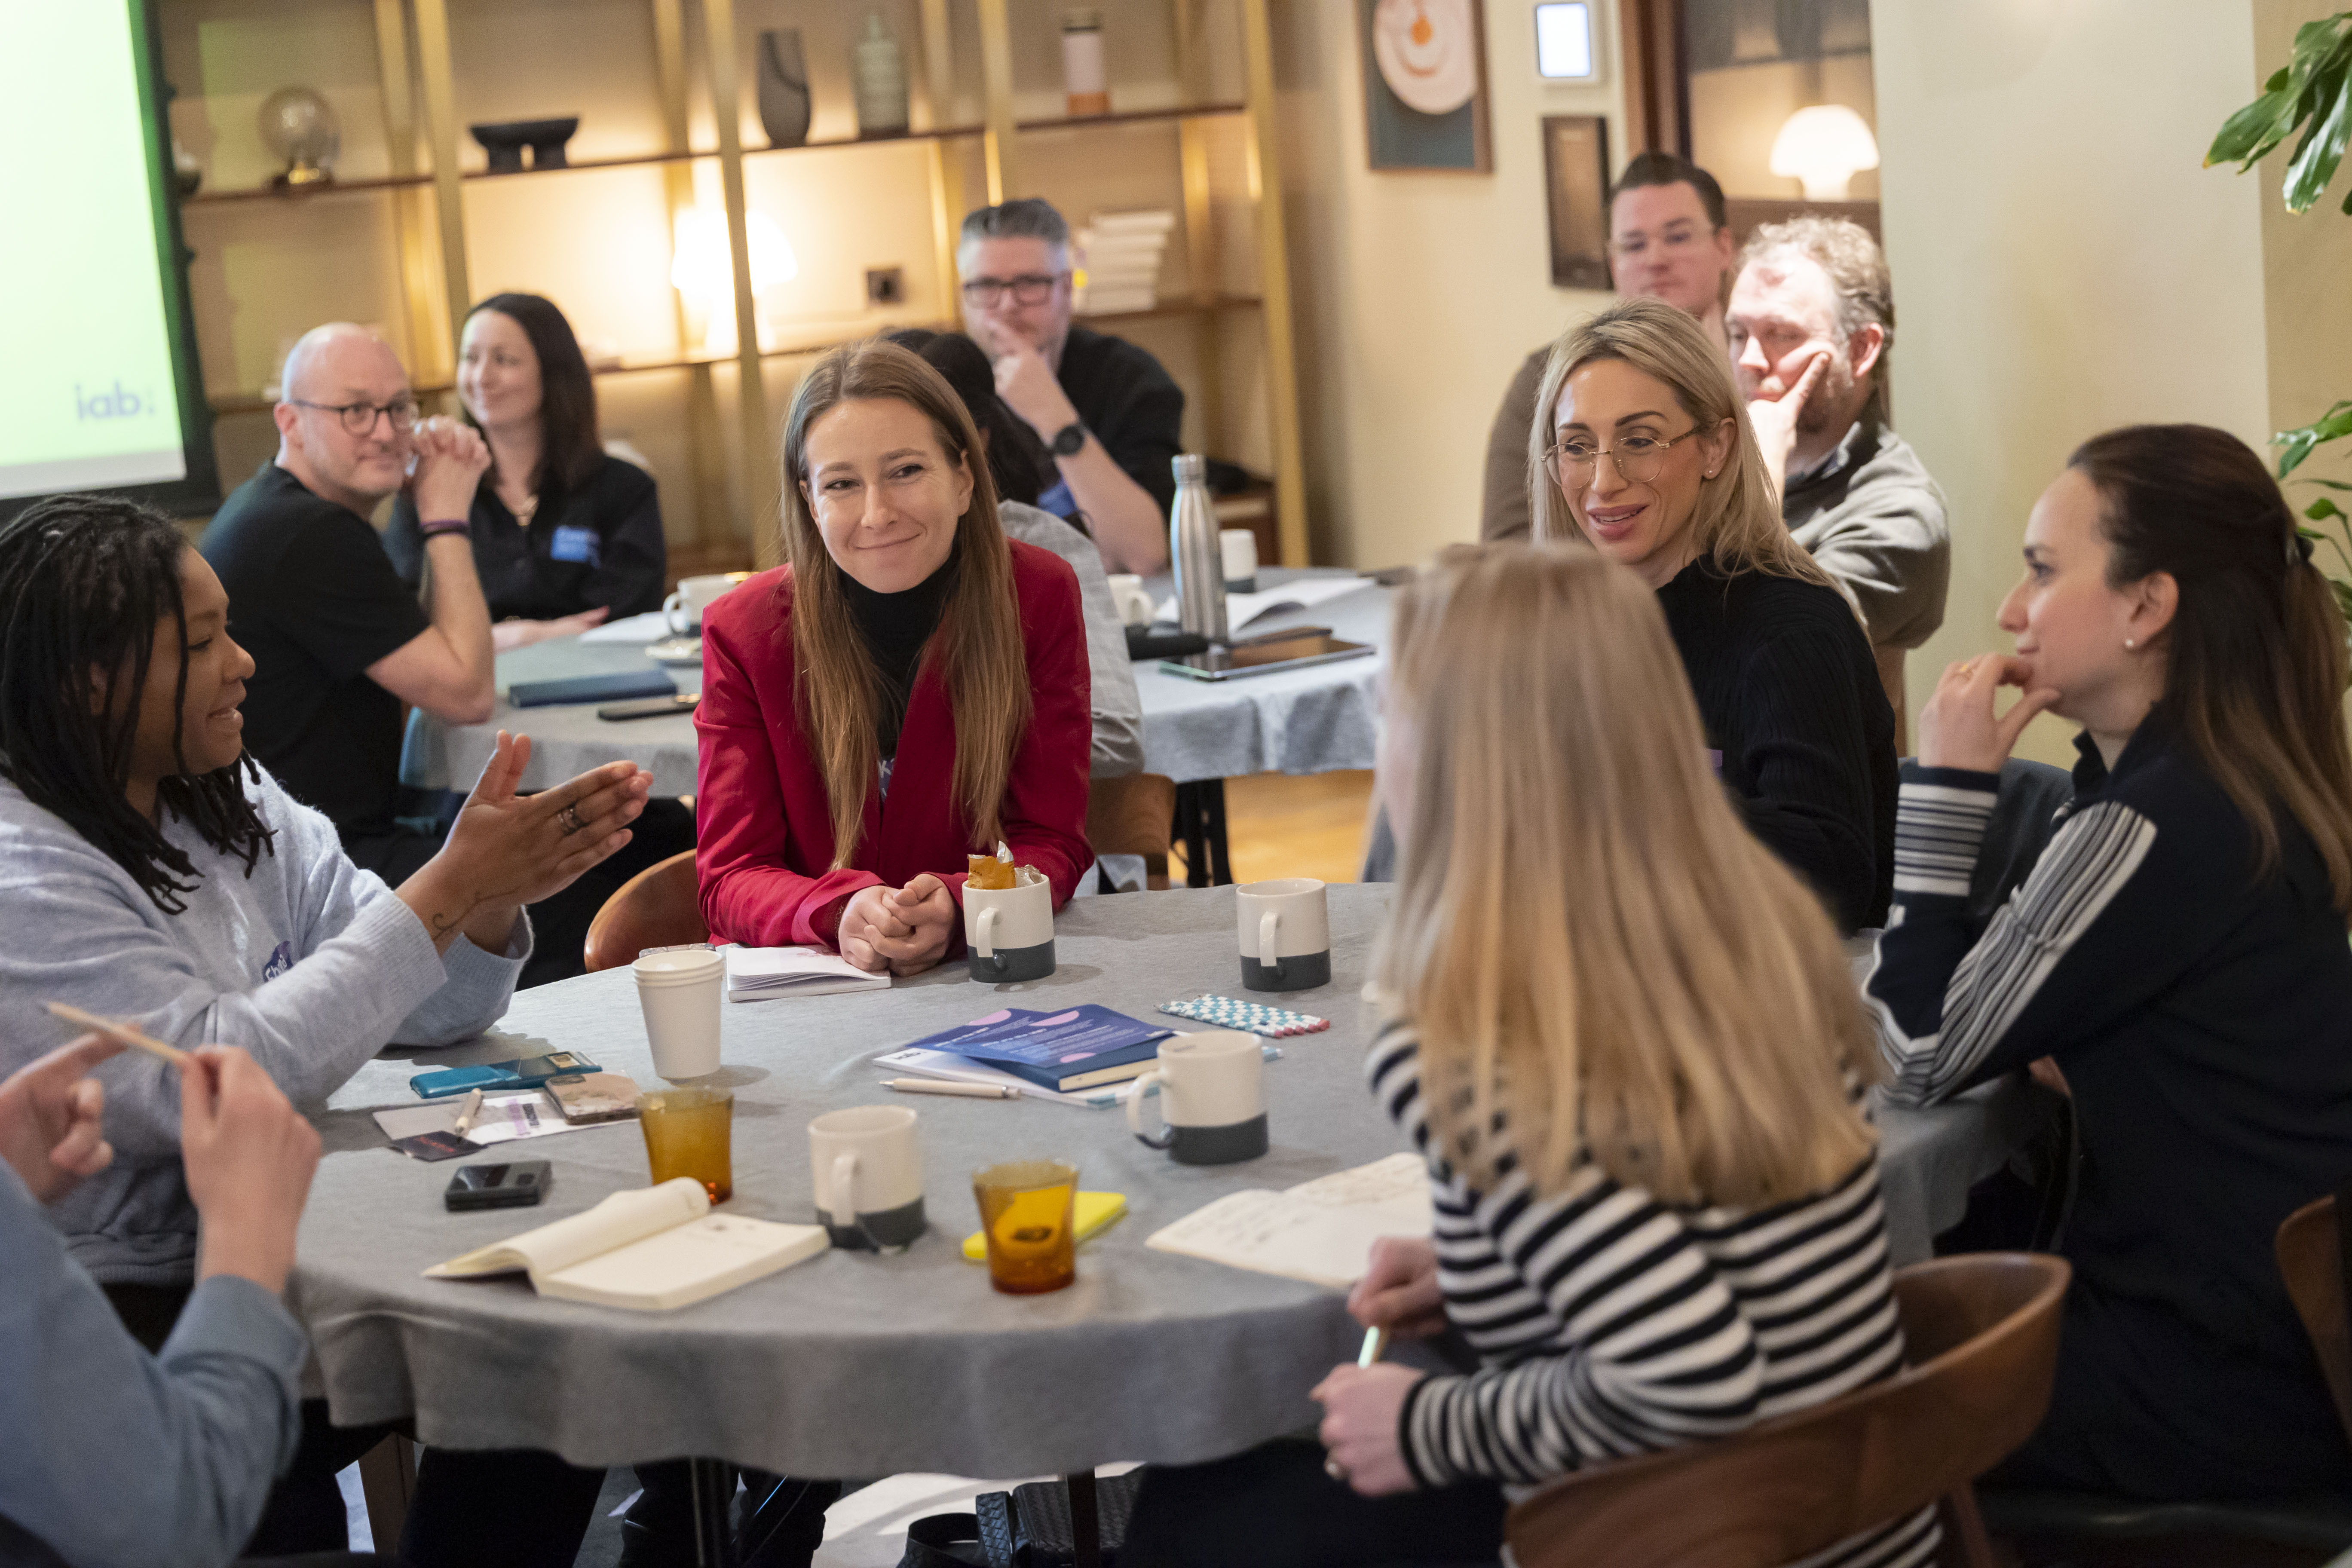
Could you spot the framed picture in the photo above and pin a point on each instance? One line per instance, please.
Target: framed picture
(1576, 192)
(1425, 84)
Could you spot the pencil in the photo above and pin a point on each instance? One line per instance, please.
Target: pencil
(1376, 1346)
(123, 1033)
(944, 1086)
(472, 1109)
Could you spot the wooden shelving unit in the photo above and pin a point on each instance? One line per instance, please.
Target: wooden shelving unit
(424, 124)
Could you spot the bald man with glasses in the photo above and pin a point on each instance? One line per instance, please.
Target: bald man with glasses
(339, 644)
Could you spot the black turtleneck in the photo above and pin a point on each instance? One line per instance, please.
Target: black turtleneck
(894, 627)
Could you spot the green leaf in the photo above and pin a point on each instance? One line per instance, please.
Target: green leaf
(2295, 445)
(2322, 148)
(2330, 484)
(2287, 99)
(2321, 510)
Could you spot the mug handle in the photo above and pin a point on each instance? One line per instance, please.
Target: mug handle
(983, 935)
(675, 602)
(1135, 1111)
(844, 1191)
(1269, 924)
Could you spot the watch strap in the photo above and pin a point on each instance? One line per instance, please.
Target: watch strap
(445, 525)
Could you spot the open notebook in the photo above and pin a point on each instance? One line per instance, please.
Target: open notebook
(650, 1249)
(758, 974)
(1320, 1231)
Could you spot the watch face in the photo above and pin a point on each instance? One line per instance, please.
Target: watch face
(1069, 440)
(1427, 51)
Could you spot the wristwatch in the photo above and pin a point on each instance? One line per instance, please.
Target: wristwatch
(1070, 438)
(445, 525)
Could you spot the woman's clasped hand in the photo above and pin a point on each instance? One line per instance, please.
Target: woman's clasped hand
(902, 930)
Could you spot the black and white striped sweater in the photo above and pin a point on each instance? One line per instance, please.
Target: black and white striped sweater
(1612, 1324)
(2204, 1019)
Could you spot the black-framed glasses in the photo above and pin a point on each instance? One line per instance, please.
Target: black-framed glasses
(1029, 289)
(1571, 462)
(359, 419)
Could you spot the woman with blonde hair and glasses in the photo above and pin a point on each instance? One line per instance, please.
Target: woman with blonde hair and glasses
(909, 687)
(1645, 454)
(1626, 1039)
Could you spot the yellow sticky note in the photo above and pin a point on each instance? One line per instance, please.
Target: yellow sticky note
(1094, 1210)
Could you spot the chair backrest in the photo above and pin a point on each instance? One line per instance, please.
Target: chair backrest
(659, 907)
(1131, 815)
(2311, 1256)
(1981, 1333)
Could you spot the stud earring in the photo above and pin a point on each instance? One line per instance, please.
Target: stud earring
(2130, 642)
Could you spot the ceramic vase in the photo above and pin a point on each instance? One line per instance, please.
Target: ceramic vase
(784, 87)
(880, 72)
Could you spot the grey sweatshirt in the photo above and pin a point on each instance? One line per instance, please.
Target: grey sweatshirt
(1117, 706)
(311, 964)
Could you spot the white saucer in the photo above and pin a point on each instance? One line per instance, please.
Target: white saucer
(676, 650)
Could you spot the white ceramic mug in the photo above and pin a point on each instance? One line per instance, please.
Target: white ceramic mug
(1238, 546)
(1010, 930)
(682, 611)
(867, 1167)
(1131, 599)
(680, 992)
(1285, 934)
(1213, 1092)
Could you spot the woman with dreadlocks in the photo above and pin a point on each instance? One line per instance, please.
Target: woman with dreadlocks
(153, 873)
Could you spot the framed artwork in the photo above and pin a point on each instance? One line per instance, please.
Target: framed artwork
(1576, 193)
(1425, 84)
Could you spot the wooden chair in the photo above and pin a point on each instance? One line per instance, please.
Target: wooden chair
(1133, 815)
(1983, 1336)
(2284, 1533)
(659, 907)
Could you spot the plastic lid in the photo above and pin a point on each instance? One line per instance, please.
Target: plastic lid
(1192, 467)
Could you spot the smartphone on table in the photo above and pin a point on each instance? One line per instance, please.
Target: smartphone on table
(508, 1184)
(526, 1072)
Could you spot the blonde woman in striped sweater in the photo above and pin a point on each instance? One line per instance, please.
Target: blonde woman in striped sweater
(1624, 1037)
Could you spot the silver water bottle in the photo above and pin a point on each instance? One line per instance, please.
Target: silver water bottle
(1193, 549)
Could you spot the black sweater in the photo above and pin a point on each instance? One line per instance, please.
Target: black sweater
(598, 544)
(2204, 1019)
(1805, 740)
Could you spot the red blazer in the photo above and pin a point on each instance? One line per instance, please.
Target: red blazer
(765, 852)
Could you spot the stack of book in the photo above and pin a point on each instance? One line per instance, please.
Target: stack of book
(1079, 1054)
(1120, 254)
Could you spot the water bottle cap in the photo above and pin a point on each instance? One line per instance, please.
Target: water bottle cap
(1192, 467)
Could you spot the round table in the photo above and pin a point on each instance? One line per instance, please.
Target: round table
(855, 1365)
(1311, 720)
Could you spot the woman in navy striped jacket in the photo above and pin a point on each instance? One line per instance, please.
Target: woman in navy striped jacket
(1626, 1041)
(2177, 955)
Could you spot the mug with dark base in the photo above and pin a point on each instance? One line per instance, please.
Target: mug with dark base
(1285, 934)
(868, 1170)
(1213, 1091)
(1010, 930)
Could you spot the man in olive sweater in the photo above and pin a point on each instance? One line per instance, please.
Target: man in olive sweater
(1812, 322)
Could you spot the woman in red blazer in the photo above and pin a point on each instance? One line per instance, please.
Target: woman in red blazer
(909, 687)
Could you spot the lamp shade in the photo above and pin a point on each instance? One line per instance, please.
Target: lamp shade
(1824, 145)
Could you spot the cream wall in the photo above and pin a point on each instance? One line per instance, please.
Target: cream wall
(2061, 263)
(1418, 293)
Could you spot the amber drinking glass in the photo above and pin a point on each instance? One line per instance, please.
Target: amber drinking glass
(1026, 1212)
(687, 1135)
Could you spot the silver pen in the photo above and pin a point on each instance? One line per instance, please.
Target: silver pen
(948, 1085)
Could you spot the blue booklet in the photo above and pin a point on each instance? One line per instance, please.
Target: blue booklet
(1079, 1048)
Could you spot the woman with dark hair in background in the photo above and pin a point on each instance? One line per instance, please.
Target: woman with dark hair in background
(1117, 708)
(2178, 954)
(563, 533)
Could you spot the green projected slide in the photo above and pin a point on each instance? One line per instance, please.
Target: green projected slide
(87, 395)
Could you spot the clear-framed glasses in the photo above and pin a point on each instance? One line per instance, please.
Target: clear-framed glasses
(359, 419)
(1029, 289)
(1638, 459)
(1675, 241)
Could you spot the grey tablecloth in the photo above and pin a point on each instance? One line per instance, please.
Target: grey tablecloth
(1308, 720)
(854, 1364)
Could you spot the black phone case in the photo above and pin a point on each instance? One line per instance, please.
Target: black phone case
(511, 1193)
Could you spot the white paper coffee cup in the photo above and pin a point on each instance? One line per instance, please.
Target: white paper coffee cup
(681, 993)
(1238, 546)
